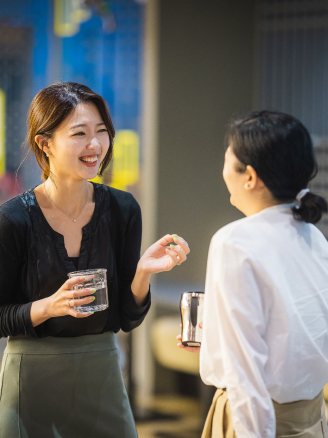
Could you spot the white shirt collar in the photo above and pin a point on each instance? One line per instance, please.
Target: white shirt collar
(277, 207)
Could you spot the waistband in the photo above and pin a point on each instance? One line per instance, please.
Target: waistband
(301, 411)
(61, 345)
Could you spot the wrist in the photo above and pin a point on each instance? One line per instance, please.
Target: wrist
(40, 311)
(45, 308)
(140, 284)
(142, 271)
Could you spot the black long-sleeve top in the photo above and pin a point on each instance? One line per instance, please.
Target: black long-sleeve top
(34, 264)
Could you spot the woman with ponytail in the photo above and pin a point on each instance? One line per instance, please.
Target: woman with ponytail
(265, 325)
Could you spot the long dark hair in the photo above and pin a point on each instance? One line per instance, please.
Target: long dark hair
(51, 106)
(280, 149)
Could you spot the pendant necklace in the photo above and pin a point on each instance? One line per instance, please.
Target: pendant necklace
(74, 220)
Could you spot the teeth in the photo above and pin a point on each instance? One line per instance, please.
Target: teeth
(89, 159)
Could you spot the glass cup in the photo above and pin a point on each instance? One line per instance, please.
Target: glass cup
(99, 282)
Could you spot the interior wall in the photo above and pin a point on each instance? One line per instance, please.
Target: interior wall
(205, 79)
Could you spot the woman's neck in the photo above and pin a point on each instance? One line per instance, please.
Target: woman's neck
(69, 196)
(258, 204)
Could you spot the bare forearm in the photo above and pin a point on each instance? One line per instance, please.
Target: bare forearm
(39, 312)
(140, 285)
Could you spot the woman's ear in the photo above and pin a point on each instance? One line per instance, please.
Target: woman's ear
(252, 179)
(43, 144)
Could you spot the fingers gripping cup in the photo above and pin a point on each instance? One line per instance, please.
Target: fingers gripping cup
(99, 282)
(191, 309)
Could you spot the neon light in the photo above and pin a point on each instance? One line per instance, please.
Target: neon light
(126, 159)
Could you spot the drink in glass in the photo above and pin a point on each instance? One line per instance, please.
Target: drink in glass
(99, 282)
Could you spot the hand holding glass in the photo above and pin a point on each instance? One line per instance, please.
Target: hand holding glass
(99, 282)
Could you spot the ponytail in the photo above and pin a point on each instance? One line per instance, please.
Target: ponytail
(311, 208)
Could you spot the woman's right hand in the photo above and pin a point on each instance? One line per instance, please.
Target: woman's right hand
(62, 302)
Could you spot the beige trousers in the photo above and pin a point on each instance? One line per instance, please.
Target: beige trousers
(301, 419)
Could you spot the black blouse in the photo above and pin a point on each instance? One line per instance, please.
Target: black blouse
(34, 264)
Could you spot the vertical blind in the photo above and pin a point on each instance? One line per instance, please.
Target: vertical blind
(293, 71)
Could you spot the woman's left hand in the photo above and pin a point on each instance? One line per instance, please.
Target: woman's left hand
(184, 347)
(159, 257)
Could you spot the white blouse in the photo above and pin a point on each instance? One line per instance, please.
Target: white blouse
(265, 329)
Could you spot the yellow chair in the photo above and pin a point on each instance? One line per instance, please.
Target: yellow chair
(164, 332)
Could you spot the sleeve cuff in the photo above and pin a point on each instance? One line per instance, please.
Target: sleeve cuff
(139, 310)
(28, 328)
(132, 315)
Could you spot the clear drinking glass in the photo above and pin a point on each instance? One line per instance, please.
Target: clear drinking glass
(99, 281)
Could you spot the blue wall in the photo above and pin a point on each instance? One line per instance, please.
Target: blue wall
(107, 59)
(109, 63)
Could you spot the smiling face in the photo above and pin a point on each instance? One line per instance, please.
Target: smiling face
(79, 144)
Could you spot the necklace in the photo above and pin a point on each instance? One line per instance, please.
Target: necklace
(74, 220)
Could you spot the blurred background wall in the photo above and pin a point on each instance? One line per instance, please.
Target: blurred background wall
(205, 79)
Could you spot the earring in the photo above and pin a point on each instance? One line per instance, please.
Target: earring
(246, 186)
(47, 155)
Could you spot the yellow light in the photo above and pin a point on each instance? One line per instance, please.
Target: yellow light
(68, 16)
(125, 171)
(126, 159)
(2, 133)
(98, 179)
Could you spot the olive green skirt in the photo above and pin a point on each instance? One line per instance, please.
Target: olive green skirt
(64, 388)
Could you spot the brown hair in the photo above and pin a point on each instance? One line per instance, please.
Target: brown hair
(51, 106)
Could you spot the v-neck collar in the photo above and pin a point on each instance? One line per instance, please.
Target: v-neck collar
(87, 231)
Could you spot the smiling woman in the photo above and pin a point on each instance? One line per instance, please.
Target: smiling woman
(52, 106)
(70, 224)
(81, 138)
